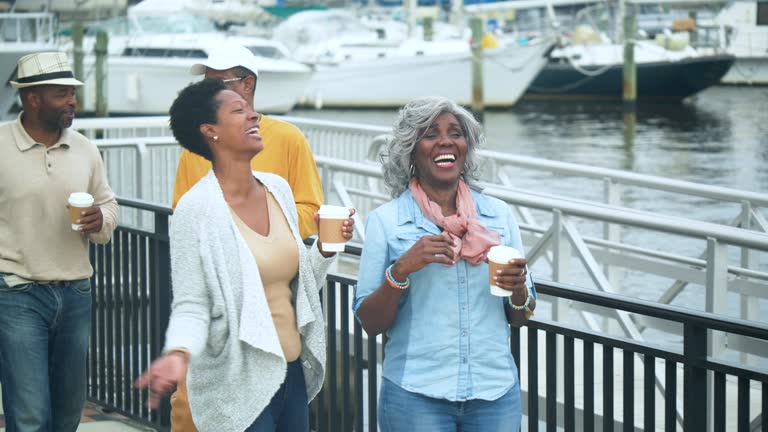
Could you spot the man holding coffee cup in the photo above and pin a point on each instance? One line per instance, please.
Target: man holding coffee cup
(45, 291)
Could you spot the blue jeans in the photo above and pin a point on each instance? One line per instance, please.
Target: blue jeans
(402, 411)
(288, 411)
(44, 331)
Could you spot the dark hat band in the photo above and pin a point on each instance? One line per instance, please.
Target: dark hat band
(45, 77)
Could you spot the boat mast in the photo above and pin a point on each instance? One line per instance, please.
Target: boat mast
(412, 5)
(457, 16)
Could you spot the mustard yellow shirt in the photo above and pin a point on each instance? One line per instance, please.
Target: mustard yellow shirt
(286, 153)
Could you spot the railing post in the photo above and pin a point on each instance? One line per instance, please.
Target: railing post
(716, 289)
(695, 388)
(716, 301)
(162, 295)
(612, 232)
(561, 259)
(750, 310)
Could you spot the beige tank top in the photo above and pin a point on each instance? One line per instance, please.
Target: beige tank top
(278, 259)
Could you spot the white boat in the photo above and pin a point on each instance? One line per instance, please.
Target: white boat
(372, 64)
(148, 67)
(417, 68)
(21, 33)
(746, 23)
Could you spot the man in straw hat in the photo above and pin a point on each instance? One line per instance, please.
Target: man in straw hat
(45, 291)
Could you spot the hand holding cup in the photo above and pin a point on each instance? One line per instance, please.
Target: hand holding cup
(507, 271)
(336, 227)
(83, 215)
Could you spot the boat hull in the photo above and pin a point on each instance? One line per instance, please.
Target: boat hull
(393, 81)
(656, 81)
(748, 71)
(148, 86)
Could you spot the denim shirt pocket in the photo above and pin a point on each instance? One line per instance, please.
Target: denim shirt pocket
(503, 232)
(405, 240)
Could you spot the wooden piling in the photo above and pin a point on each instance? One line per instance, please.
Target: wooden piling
(629, 95)
(77, 62)
(692, 33)
(428, 29)
(478, 106)
(101, 73)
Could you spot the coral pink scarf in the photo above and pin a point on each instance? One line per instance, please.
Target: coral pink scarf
(471, 238)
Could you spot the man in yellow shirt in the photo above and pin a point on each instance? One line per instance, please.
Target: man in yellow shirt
(286, 150)
(286, 153)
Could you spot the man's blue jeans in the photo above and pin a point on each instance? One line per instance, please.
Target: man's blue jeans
(44, 331)
(402, 411)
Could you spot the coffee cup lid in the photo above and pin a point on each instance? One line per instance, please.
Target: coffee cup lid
(333, 211)
(502, 254)
(81, 199)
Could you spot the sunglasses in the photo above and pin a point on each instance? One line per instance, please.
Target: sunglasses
(229, 80)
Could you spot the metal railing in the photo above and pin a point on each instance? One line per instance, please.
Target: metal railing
(574, 239)
(133, 140)
(131, 305)
(571, 377)
(141, 155)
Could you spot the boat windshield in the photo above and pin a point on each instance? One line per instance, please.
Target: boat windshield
(137, 25)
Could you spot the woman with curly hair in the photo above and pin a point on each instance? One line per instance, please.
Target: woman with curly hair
(424, 281)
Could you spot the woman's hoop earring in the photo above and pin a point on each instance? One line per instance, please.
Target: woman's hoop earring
(413, 171)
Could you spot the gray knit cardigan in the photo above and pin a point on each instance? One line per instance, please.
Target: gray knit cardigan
(220, 313)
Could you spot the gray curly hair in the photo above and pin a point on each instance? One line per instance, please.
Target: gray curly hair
(412, 123)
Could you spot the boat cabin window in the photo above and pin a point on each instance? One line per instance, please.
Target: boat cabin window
(762, 13)
(164, 52)
(266, 51)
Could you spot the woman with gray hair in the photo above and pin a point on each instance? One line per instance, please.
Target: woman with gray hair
(424, 281)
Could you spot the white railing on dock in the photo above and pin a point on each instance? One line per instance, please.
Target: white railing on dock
(601, 234)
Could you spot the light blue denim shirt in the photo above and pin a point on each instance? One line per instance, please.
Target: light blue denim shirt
(450, 339)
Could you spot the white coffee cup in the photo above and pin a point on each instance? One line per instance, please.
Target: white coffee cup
(498, 258)
(78, 202)
(331, 220)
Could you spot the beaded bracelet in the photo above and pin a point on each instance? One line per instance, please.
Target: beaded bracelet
(524, 307)
(393, 283)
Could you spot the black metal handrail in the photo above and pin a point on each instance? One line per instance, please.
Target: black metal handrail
(132, 305)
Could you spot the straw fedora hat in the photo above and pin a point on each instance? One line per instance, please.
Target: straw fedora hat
(44, 68)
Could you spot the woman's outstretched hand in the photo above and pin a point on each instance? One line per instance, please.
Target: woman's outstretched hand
(162, 376)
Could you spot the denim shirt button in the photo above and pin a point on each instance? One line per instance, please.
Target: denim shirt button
(464, 360)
